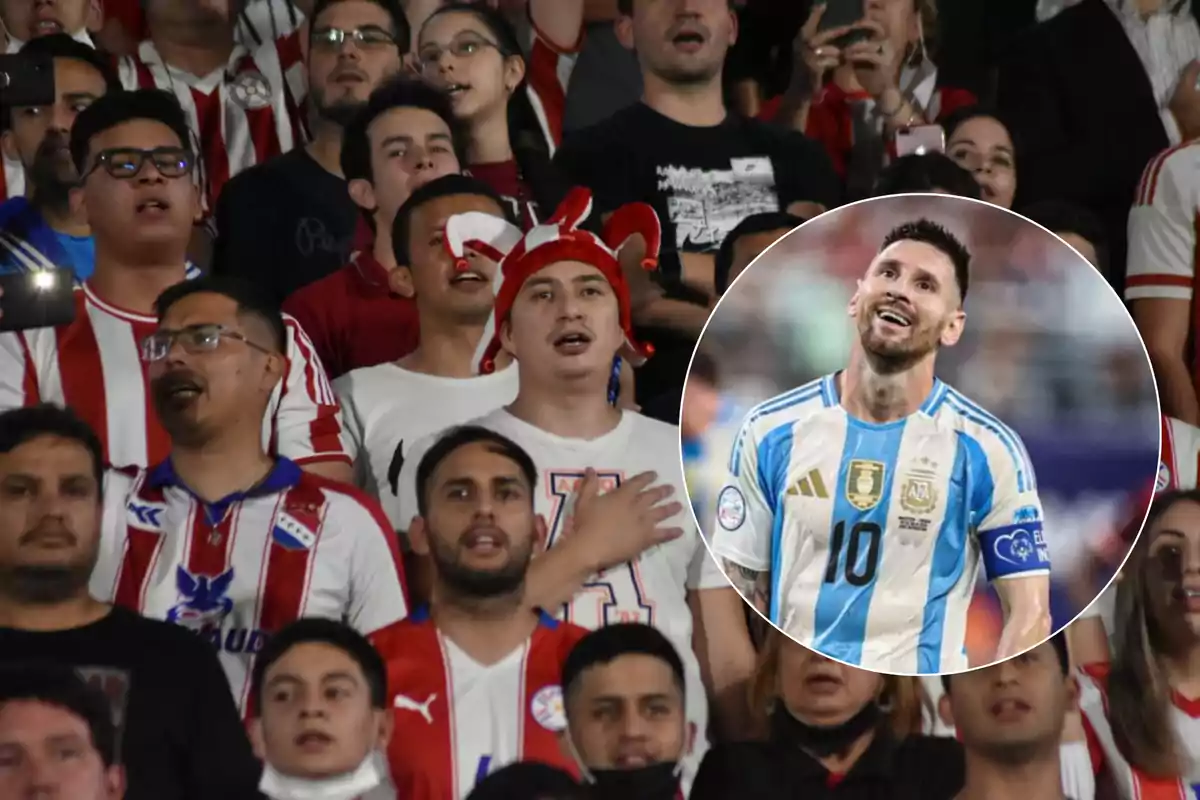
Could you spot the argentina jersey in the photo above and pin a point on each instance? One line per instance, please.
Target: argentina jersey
(872, 534)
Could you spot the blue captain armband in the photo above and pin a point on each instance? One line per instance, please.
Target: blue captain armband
(1014, 550)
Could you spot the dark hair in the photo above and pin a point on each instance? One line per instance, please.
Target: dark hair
(117, 108)
(445, 186)
(1058, 641)
(1059, 217)
(605, 645)
(527, 780)
(755, 223)
(60, 45)
(19, 426)
(58, 685)
(250, 301)
(400, 27)
(324, 631)
(926, 172)
(935, 235)
(951, 122)
(452, 440)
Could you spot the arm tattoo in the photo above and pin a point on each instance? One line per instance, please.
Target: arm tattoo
(753, 585)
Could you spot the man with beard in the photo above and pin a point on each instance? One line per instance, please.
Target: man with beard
(179, 739)
(291, 221)
(43, 229)
(627, 722)
(221, 537)
(852, 502)
(474, 677)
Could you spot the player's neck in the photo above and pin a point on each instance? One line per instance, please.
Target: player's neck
(196, 53)
(581, 412)
(488, 142)
(326, 146)
(223, 467)
(133, 287)
(445, 351)
(75, 612)
(874, 396)
(701, 105)
(988, 779)
(1183, 671)
(485, 629)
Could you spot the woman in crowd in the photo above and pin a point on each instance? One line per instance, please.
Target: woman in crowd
(981, 144)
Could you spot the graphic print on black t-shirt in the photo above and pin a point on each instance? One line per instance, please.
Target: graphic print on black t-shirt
(115, 684)
(705, 205)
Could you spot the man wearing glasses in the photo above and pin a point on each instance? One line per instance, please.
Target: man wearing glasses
(222, 537)
(136, 188)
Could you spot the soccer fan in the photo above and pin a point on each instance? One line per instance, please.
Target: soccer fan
(42, 230)
(850, 500)
(1009, 718)
(475, 677)
(322, 722)
(222, 537)
(627, 724)
(1161, 270)
(57, 738)
(25, 20)
(289, 221)
(747, 241)
(437, 385)
(528, 780)
(176, 745)
(130, 149)
(364, 314)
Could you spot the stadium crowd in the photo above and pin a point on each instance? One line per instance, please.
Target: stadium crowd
(314, 499)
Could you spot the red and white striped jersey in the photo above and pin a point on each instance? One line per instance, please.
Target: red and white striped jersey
(94, 365)
(297, 545)
(1130, 782)
(1180, 464)
(547, 75)
(458, 720)
(240, 115)
(1162, 227)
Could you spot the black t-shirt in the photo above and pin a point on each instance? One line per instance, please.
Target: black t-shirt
(284, 224)
(180, 735)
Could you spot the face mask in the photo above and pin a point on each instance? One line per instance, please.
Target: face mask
(822, 741)
(277, 786)
(652, 782)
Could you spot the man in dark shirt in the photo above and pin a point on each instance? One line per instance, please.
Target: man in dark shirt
(177, 727)
(290, 221)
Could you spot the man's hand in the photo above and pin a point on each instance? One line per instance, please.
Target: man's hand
(815, 49)
(620, 525)
(875, 60)
(1184, 104)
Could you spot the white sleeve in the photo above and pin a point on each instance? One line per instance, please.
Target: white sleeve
(1006, 510)
(352, 423)
(745, 506)
(377, 595)
(703, 572)
(15, 387)
(1162, 231)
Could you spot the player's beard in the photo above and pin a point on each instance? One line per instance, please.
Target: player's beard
(480, 584)
(52, 174)
(46, 584)
(340, 112)
(891, 355)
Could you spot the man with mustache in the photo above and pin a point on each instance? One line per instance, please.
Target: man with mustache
(851, 501)
(474, 677)
(179, 739)
(222, 537)
(43, 229)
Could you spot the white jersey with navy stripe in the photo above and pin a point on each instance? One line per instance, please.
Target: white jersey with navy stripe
(873, 534)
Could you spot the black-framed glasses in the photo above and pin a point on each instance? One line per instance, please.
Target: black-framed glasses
(194, 339)
(367, 36)
(464, 45)
(125, 163)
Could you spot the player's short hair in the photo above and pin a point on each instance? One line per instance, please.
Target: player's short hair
(605, 645)
(527, 780)
(250, 302)
(61, 45)
(1058, 641)
(58, 685)
(445, 186)
(1060, 216)
(926, 172)
(19, 426)
(755, 223)
(321, 631)
(456, 438)
(935, 235)
(117, 108)
(401, 31)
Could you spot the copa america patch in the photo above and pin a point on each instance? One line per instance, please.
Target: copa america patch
(731, 508)
(1164, 477)
(547, 708)
(250, 90)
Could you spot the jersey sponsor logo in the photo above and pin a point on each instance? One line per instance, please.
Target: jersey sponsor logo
(291, 535)
(811, 485)
(1026, 514)
(1164, 477)
(204, 609)
(147, 516)
(547, 709)
(406, 703)
(731, 508)
(1020, 546)
(864, 483)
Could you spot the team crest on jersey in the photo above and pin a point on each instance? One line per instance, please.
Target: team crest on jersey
(290, 534)
(864, 483)
(731, 508)
(204, 598)
(547, 708)
(250, 90)
(918, 495)
(1164, 477)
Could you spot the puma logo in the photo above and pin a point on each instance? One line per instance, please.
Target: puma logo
(408, 704)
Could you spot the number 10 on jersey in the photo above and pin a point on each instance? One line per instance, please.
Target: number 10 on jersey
(854, 553)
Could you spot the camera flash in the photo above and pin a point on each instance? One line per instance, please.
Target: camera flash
(43, 280)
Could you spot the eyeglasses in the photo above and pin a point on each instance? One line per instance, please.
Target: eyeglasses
(461, 46)
(195, 340)
(125, 163)
(369, 36)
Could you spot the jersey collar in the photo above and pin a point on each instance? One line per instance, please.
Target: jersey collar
(284, 475)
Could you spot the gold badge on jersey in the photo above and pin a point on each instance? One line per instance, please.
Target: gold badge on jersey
(864, 484)
(918, 495)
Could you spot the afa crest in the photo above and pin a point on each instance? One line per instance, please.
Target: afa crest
(918, 495)
(864, 483)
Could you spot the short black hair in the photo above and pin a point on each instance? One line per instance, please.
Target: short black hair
(117, 108)
(401, 30)
(59, 685)
(452, 440)
(951, 122)
(60, 45)
(323, 631)
(445, 186)
(925, 173)
(527, 780)
(250, 301)
(21, 425)
(1058, 641)
(751, 225)
(402, 91)
(605, 645)
(1060, 216)
(935, 235)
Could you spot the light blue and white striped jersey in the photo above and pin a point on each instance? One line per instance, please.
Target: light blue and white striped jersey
(873, 533)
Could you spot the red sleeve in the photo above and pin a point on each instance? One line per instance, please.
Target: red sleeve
(308, 420)
(829, 124)
(548, 74)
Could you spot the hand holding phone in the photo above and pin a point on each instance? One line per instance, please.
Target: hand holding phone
(37, 299)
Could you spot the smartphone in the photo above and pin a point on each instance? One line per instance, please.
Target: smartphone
(919, 140)
(26, 80)
(841, 13)
(43, 298)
